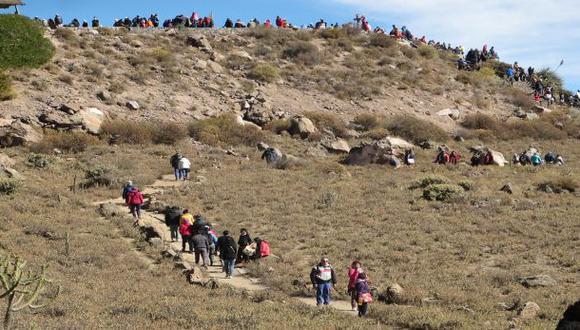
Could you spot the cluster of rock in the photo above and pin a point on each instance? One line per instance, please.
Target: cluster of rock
(387, 151)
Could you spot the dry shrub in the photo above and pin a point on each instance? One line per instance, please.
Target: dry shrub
(278, 126)
(66, 35)
(519, 98)
(67, 78)
(328, 121)
(161, 55)
(68, 142)
(127, 131)
(427, 52)
(559, 185)
(167, 133)
(302, 52)
(224, 131)
(367, 121)
(411, 53)
(536, 129)
(415, 129)
(6, 91)
(479, 121)
(264, 72)
(376, 134)
(8, 186)
(382, 41)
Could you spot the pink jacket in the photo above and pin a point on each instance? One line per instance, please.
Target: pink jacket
(352, 277)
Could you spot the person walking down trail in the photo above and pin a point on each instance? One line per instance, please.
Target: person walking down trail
(174, 161)
(226, 247)
(323, 278)
(185, 229)
(243, 242)
(363, 294)
(353, 271)
(135, 200)
(200, 244)
(172, 217)
(184, 167)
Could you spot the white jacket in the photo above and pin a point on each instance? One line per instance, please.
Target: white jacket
(184, 164)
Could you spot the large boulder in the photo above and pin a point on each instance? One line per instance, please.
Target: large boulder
(451, 113)
(302, 126)
(537, 281)
(336, 146)
(91, 119)
(386, 151)
(201, 42)
(480, 157)
(18, 133)
(529, 310)
(60, 120)
(259, 114)
(393, 294)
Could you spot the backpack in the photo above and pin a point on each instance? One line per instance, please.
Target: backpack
(264, 249)
(135, 197)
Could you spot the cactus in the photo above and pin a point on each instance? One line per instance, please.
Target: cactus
(21, 289)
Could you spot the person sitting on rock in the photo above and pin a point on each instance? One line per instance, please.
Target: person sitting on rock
(95, 23)
(75, 23)
(229, 24)
(267, 24)
(409, 157)
(454, 157)
(239, 24)
(244, 241)
(85, 24)
(536, 159)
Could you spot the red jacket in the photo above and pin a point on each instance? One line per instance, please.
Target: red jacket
(134, 197)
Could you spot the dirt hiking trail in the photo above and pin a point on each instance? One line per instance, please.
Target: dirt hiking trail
(241, 279)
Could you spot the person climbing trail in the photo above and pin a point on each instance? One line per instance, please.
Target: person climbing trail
(363, 294)
(185, 229)
(226, 247)
(135, 200)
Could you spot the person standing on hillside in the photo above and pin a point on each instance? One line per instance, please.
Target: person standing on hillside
(226, 247)
(353, 271)
(200, 244)
(185, 229)
(244, 241)
(174, 161)
(135, 200)
(184, 168)
(323, 278)
(363, 294)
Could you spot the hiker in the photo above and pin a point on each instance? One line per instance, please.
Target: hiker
(212, 237)
(454, 157)
(126, 188)
(185, 226)
(353, 271)
(536, 159)
(244, 241)
(184, 168)
(172, 217)
(261, 248)
(75, 23)
(442, 157)
(229, 24)
(550, 158)
(279, 22)
(226, 247)
(96, 23)
(200, 244)
(409, 157)
(58, 20)
(559, 160)
(510, 75)
(239, 24)
(323, 279)
(174, 161)
(85, 24)
(267, 24)
(135, 200)
(363, 294)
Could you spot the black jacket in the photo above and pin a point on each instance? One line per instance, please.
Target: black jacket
(174, 161)
(244, 241)
(227, 248)
(172, 216)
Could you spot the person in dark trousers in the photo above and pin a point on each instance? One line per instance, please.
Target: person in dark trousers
(323, 278)
(185, 229)
(363, 293)
(172, 216)
(226, 247)
(243, 242)
(174, 161)
(200, 244)
(135, 201)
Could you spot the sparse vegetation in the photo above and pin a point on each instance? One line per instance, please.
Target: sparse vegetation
(67, 142)
(224, 131)
(6, 91)
(328, 121)
(382, 41)
(22, 43)
(367, 121)
(8, 186)
(442, 192)
(264, 72)
(302, 52)
(427, 52)
(98, 176)
(415, 129)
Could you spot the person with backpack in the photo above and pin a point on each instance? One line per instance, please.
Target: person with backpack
(244, 241)
(135, 200)
(262, 249)
(126, 188)
(96, 23)
(323, 278)
(174, 161)
(184, 167)
(353, 271)
(200, 244)
(172, 217)
(363, 294)
(212, 237)
(226, 247)
(185, 229)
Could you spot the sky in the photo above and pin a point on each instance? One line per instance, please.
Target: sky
(539, 33)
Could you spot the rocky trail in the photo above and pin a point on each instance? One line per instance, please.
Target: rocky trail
(186, 262)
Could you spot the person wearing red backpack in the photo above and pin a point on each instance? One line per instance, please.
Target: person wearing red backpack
(135, 200)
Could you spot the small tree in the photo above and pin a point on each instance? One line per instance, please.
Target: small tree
(21, 290)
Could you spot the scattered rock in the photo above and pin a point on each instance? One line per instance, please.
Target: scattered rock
(537, 281)
(104, 95)
(241, 121)
(242, 54)
(68, 109)
(58, 120)
(529, 310)
(451, 113)
(507, 188)
(531, 116)
(18, 133)
(136, 43)
(91, 119)
(316, 151)
(156, 241)
(302, 126)
(215, 67)
(393, 294)
(12, 173)
(6, 161)
(386, 151)
(169, 254)
(200, 42)
(200, 65)
(336, 146)
(216, 57)
(132, 105)
(108, 210)
(540, 109)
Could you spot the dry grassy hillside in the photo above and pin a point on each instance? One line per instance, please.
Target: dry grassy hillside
(459, 261)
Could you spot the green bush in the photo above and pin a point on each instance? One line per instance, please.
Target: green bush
(224, 131)
(8, 186)
(467, 185)
(22, 43)
(38, 160)
(264, 72)
(442, 192)
(415, 129)
(427, 181)
(97, 176)
(6, 92)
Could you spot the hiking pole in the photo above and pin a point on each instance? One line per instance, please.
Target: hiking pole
(561, 63)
